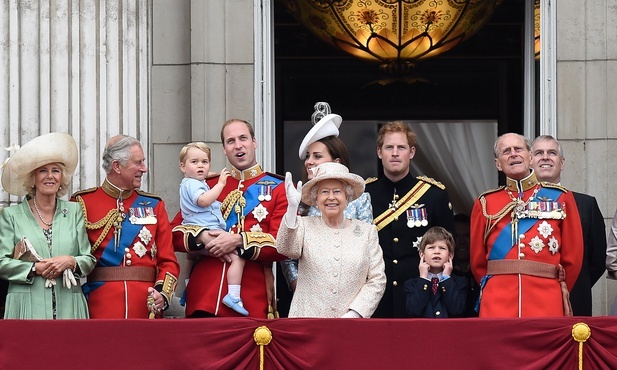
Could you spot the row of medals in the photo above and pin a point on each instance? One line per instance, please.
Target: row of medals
(541, 210)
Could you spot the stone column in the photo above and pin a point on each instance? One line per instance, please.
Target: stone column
(74, 66)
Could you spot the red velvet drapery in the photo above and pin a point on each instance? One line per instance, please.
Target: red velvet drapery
(307, 344)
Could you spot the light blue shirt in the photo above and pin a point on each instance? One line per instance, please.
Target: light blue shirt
(194, 214)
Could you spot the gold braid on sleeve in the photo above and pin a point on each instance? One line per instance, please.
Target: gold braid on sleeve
(168, 286)
(106, 223)
(493, 220)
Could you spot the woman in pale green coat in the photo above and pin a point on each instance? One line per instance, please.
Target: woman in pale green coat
(47, 288)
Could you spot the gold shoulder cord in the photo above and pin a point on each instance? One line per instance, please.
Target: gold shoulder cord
(230, 199)
(107, 222)
(493, 220)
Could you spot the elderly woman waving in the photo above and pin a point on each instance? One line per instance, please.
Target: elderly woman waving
(43, 238)
(340, 263)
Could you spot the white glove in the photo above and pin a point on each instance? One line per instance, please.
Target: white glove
(351, 314)
(50, 282)
(294, 196)
(68, 279)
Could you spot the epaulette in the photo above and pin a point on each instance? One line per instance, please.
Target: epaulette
(370, 179)
(553, 185)
(492, 191)
(280, 177)
(85, 191)
(146, 194)
(432, 182)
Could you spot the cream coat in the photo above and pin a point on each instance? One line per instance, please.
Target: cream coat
(338, 269)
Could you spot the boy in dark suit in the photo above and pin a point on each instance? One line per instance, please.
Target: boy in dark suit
(436, 292)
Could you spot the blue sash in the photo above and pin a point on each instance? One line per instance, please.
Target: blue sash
(251, 194)
(111, 257)
(503, 243)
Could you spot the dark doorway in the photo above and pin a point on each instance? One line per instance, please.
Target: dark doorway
(480, 79)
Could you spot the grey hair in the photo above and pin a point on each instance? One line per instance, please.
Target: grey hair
(64, 186)
(549, 138)
(347, 188)
(118, 149)
(525, 140)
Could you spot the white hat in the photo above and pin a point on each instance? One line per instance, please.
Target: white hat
(327, 126)
(55, 147)
(336, 171)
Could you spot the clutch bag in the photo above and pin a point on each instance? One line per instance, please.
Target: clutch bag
(24, 251)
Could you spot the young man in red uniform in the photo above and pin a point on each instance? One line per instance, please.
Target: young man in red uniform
(253, 204)
(136, 271)
(524, 236)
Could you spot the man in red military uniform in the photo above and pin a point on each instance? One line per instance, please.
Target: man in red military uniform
(524, 236)
(136, 271)
(253, 204)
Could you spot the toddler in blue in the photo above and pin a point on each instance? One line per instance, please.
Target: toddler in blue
(199, 206)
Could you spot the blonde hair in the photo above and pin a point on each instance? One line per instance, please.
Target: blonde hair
(64, 185)
(195, 144)
(437, 233)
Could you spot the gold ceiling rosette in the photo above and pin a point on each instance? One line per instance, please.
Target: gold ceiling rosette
(394, 33)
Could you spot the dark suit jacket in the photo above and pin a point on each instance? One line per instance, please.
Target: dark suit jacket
(450, 300)
(594, 257)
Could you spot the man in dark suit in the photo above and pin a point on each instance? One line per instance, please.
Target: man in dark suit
(404, 208)
(548, 162)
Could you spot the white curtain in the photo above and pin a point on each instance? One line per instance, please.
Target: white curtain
(459, 154)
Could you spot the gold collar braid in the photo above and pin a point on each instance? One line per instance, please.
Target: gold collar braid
(114, 191)
(113, 218)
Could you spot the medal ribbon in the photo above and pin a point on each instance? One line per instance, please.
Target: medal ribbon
(251, 195)
(503, 243)
(111, 258)
(405, 202)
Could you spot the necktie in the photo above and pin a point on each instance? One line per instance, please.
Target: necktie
(435, 281)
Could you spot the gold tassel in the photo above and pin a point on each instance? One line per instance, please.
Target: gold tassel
(151, 307)
(262, 337)
(580, 332)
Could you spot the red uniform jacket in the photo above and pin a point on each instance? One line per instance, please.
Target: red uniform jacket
(266, 205)
(151, 248)
(550, 240)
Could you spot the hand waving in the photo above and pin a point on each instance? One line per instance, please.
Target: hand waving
(294, 194)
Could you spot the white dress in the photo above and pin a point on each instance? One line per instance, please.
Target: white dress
(338, 269)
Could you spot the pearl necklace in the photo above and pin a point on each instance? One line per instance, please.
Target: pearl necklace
(38, 212)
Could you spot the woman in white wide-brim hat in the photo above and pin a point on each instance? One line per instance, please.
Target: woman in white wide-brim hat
(340, 263)
(49, 230)
(321, 145)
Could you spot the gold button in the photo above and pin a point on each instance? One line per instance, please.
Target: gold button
(395, 218)
(395, 240)
(437, 313)
(128, 263)
(395, 262)
(128, 256)
(394, 283)
(521, 255)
